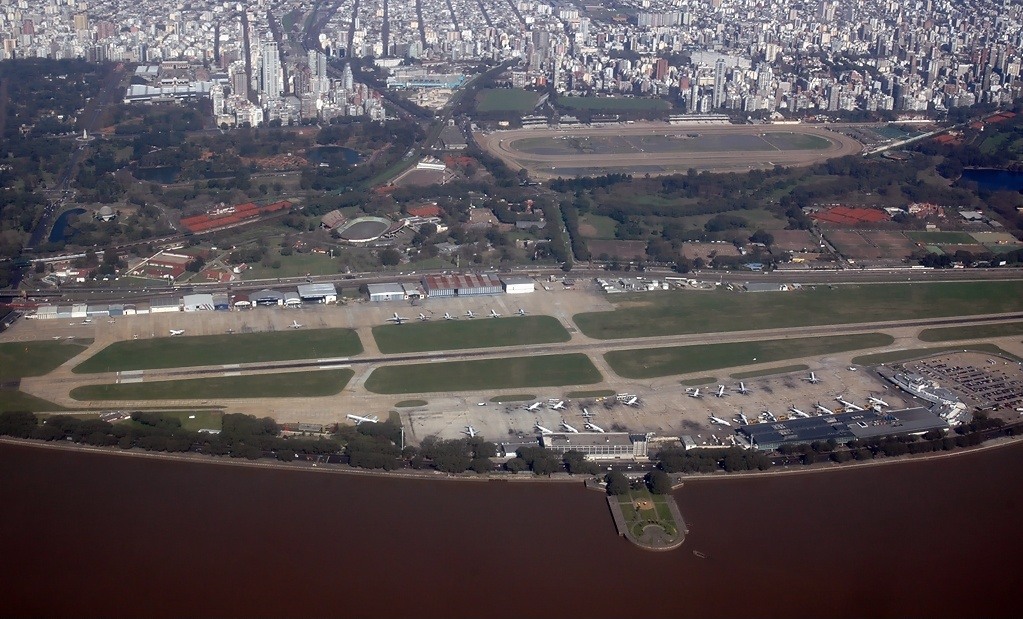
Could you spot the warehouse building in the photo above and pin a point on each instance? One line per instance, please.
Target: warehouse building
(161, 305)
(386, 292)
(516, 284)
(843, 427)
(221, 302)
(318, 293)
(470, 284)
(198, 302)
(599, 445)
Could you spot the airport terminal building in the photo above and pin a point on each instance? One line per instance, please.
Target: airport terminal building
(842, 427)
(599, 445)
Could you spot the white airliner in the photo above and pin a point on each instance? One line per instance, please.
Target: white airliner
(469, 314)
(494, 314)
(879, 402)
(695, 393)
(594, 427)
(813, 378)
(471, 431)
(721, 391)
(396, 319)
(719, 421)
(557, 406)
(177, 331)
(798, 413)
(564, 424)
(587, 414)
(743, 419)
(824, 409)
(742, 389)
(542, 429)
(632, 401)
(358, 419)
(294, 325)
(534, 406)
(848, 405)
(423, 316)
(87, 321)
(448, 316)
(521, 312)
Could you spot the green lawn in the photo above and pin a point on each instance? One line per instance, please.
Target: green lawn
(652, 362)
(283, 385)
(506, 100)
(591, 393)
(507, 373)
(457, 334)
(941, 238)
(612, 104)
(785, 369)
(679, 312)
(972, 332)
(513, 397)
(603, 227)
(295, 265)
(176, 352)
(897, 356)
(699, 380)
(637, 520)
(21, 359)
(410, 403)
(15, 400)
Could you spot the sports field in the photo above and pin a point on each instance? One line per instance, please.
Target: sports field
(21, 359)
(680, 312)
(662, 149)
(178, 352)
(654, 362)
(459, 334)
(507, 373)
(506, 100)
(284, 385)
(971, 332)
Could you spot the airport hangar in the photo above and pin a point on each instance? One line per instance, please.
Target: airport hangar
(467, 285)
(842, 427)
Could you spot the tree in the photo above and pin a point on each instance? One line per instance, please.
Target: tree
(617, 483)
(390, 257)
(516, 465)
(658, 482)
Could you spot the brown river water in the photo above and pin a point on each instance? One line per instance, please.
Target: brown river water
(87, 535)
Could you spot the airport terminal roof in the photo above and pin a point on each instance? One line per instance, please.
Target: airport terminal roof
(586, 439)
(843, 427)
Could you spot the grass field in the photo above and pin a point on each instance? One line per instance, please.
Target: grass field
(513, 397)
(637, 519)
(699, 380)
(295, 265)
(941, 238)
(284, 385)
(679, 312)
(785, 369)
(972, 332)
(612, 104)
(458, 334)
(15, 400)
(410, 403)
(506, 100)
(177, 352)
(21, 359)
(653, 362)
(591, 393)
(897, 356)
(507, 373)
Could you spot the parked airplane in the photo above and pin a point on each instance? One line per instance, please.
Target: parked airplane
(695, 393)
(358, 419)
(87, 321)
(448, 316)
(720, 392)
(294, 325)
(396, 319)
(177, 331)
(879, 402)
(55, 337)
(798, 413)
(824, 409)
(557, 406)
(594, 427)
(471, 431)
(423, 317)
(469, 314)
(565, 425)
(771, 417)
(742, 389)
(849, 405)
(494, 314)
(542, 429)
(534, 406)
(743, 419)
(587, 414)
(813, 378)
(521, 312)
(632, 401)
(719, 421)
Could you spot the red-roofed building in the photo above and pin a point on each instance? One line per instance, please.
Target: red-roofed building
(428, 210)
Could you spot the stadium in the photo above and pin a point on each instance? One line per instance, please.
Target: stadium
(364, 230)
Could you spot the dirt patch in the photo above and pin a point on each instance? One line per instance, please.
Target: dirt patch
(794, 240)
(588, 230)
(622, 250)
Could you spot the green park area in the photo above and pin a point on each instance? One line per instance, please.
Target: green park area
(506, 100)
(972, 332)
(459, 334)
(641, 508)
(679, 312)
(506, 373)
(612, 104)
(653, 362)
(177, 352)
(283, 385)
(907, 354)
(941, 238)
(21, 359)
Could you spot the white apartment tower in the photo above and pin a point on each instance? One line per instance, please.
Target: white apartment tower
(271, 78)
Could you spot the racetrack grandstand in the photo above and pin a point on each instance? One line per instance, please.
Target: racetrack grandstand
(364, 229)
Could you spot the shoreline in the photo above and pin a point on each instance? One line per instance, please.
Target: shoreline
(475, 478)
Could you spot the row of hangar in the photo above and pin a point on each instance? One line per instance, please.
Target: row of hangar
(465, 285)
